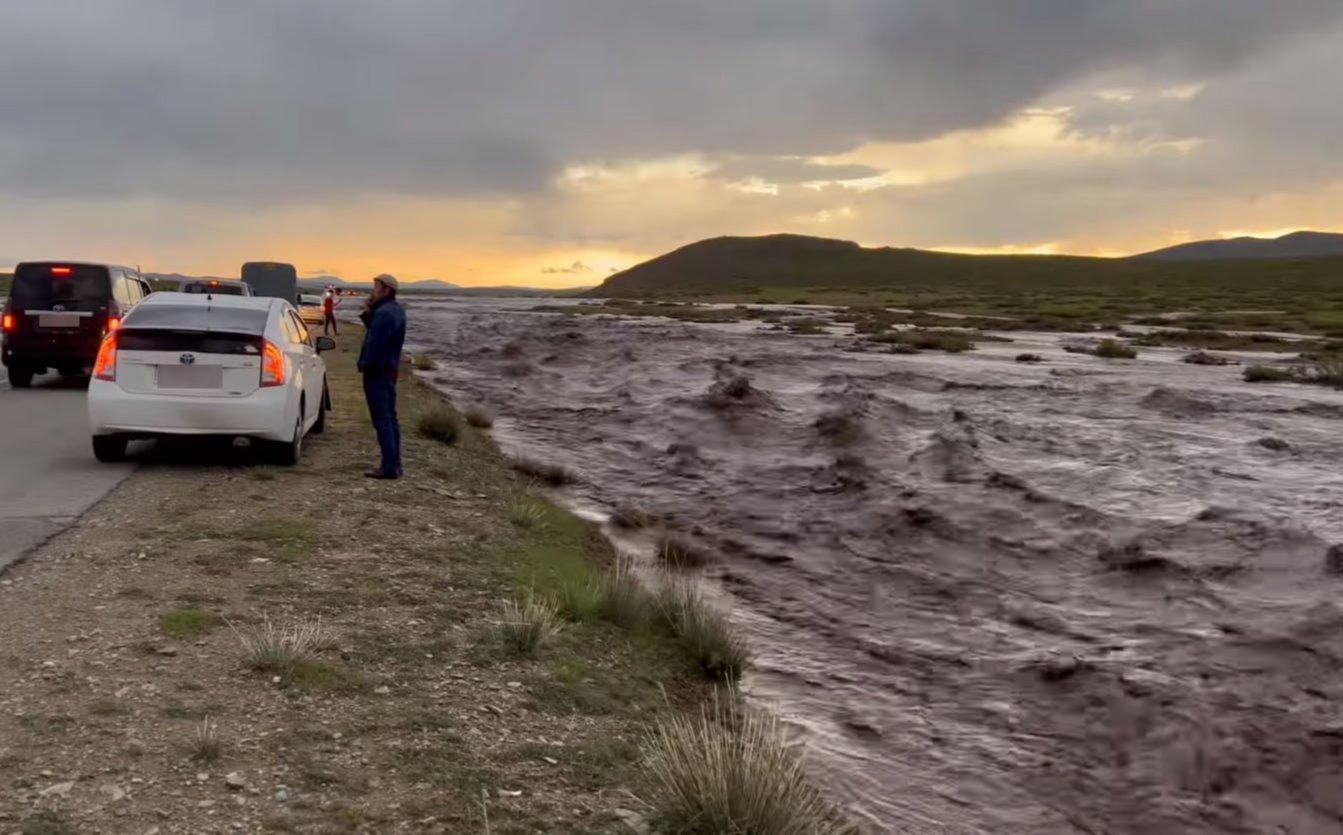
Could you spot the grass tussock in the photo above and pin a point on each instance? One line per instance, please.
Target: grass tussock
(268, 648)
(528, 624)
(188, 622)
(440, 424)
(1271, 374)
(552, 474)
(622, 599)
(529, 515)
(927, 339)
(674, 552)
(1115, 350)
(629, 517)
(206, 743)
(423, 362)
(708, 638)
(728, 770)
(479, 418)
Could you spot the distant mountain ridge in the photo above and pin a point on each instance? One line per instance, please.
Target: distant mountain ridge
(738, 266)
(1294, 245)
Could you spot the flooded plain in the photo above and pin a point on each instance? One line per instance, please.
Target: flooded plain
(1079, 595)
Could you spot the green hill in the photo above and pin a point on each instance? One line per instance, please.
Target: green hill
(796, 268)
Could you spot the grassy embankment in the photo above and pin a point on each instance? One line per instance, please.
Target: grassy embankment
(450, 651)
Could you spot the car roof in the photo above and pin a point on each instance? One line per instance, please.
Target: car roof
(215, 281)
(203, 312)
(172, 297)
(60, 263)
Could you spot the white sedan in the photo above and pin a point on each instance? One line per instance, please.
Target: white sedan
(191, 364)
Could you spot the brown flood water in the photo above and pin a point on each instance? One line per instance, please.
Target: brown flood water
(1079, 596)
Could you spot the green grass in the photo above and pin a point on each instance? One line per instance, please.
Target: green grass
(1271, 374)
(188, 622)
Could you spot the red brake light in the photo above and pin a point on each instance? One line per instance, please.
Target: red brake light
(60, 270)
(113, 323)
(7, 322)
(214, 283)
(272, 365)
(105, 367)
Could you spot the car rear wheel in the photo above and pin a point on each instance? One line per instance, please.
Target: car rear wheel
(319, 425)
(287, 453)
(109, 448)
(20, 377)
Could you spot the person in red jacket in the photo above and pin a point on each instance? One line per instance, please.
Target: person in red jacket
(329, 303)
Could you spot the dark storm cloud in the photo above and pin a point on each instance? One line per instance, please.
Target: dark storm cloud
(288, 102)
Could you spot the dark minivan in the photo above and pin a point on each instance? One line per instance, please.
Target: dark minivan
(58, 312)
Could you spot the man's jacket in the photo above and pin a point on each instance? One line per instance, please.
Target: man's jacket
(381, 351)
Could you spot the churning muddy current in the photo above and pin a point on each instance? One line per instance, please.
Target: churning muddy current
(1075, 596)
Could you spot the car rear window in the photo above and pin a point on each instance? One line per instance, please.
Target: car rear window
(199, 317)
(201, 287)
(38, 286)
(195, 341)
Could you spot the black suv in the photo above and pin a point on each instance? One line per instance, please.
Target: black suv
(58, 312)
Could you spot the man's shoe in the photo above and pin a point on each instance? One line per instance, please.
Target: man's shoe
(379, 474)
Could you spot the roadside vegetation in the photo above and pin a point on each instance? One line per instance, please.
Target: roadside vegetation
(436, 652)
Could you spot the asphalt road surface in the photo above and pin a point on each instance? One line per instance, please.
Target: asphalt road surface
(48, 475)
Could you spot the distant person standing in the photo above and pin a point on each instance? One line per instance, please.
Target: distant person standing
(380, 363)
(329, 305)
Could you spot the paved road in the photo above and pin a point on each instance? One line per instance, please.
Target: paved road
(48, 476)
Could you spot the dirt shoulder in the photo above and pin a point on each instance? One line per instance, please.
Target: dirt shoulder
(121, 642)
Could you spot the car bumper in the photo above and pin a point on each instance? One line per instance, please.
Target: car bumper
(265, 413)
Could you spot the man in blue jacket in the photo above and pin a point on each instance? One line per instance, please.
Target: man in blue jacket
(380, 363)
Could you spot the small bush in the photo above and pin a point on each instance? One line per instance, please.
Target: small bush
(440, 424)
(552, 474)
(273, 649)
(1030, 358)
(732, 771)
(1270, 374)
(675, 552)
(623, 600)
(707, 636)
(423, 362)
(630, 517)
(206, 743)
(188, 622)
(479, 418)
(528, 624)
(528, 514)
(1115, 350)
(579, 600)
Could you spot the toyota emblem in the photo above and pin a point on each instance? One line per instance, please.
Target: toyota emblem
(187, 359)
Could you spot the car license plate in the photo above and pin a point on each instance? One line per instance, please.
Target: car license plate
(58, 320)
(190, 376)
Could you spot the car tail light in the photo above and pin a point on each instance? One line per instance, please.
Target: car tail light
(272, 365)
(61, 270)
(113, 322)
(105, 367)
(7, 322)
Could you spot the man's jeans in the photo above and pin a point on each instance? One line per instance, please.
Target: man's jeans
(380, 393)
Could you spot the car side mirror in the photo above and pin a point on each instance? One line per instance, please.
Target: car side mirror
(324, 343)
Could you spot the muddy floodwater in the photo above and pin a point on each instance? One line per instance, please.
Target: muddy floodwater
(1082, 595)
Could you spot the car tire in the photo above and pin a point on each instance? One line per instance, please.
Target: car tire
(109, 448)
(19, 377)
(287, 453)
(319, 425)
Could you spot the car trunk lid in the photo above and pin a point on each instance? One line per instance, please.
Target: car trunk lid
(188, 363)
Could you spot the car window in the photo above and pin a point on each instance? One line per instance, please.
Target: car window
(300, 327)
(120, 291)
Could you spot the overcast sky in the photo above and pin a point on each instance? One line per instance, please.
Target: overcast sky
(552, 141)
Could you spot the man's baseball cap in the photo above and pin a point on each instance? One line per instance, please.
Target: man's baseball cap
(389, 280)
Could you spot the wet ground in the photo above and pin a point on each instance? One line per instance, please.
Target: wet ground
(1082, 595)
